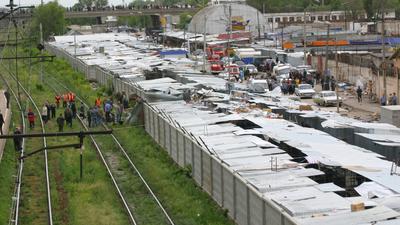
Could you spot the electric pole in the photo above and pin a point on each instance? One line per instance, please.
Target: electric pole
(327, 50)
(204, 44)
(229, 41)
(383, 50)
(305, 38)
(41, 51)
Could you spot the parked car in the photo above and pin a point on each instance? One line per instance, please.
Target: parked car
(216, 67)
(344, 86)
(258, 86)
(326, 98)
(251, 68)
(304, 91)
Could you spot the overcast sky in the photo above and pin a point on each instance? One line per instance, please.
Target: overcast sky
(62, 2)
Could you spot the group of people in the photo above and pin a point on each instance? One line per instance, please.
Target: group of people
(107, 111)
(392, 100)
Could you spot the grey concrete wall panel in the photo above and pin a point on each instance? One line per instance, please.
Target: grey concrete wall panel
(155, 126)
(181, 149)
(197, 171)
(272, 215)
(188, 151)
(150, 113)
(241, 202)
(216, 180)
(167, 130)
(207, 176)
(161, 123)
(256, 209)
(228, 191)
(91, 73)
(146, 118)
(174, 152)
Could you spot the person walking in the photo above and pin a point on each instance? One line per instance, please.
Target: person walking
(44, 114)
(119, 110)
(73, 109)
(97, 102)
(60, 123)
(383, 100)
(17, 140)
(89, 117)
(58, 98)
(7, 95)
(48, 110)
(53, 110)
(394, 99)
(1, 123)
(82, 111)
(390, 99)
(31, 119)
(65, 100)
(68, 116)
(125, 99)
(359, 94)
(107, 110)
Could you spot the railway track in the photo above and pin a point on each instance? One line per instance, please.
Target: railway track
(15, 213)
(18, 178)
(114, 157)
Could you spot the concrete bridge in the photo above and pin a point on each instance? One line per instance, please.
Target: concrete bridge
(120, 12)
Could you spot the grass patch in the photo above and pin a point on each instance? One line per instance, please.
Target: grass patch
(184, 199)
(8, 168)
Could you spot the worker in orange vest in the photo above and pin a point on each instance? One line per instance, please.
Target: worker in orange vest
(57, 98)
(65, 100)
(97, 102)
(72, 97)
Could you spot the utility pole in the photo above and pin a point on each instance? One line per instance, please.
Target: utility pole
(204, 44)
(337, 76)
(229, 41)
(282, 37)
(41, 51)
(305, 37)
(383, 51)
(327, 50)
(264, 24)
(258, 26)
(16, 59)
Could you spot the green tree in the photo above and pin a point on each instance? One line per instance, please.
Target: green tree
(77, 6)
(373, 8)
(86, 3)
(51, 16)
(100, 3)
(184, 20)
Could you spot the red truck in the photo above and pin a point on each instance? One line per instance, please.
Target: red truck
(213, 50)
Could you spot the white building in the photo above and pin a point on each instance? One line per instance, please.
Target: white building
(216, 18)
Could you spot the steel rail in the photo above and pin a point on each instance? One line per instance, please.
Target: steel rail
(126, 206)
(17, 192)
(50, 213)
(167, 216)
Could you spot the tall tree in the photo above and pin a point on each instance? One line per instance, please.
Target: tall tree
(86, 3)
(100, 3)
(51, 16)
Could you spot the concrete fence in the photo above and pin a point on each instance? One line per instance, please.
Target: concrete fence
(245, 204)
